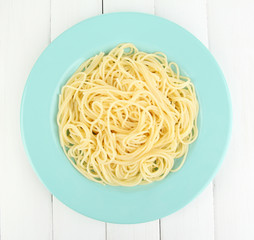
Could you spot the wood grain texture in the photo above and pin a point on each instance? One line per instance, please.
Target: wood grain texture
(192, 15)
(68, 224)
(24, 201)
(195, 221)
(146, 6)
(26, 28)
(66, 13)
(146, 231)
(231, 40)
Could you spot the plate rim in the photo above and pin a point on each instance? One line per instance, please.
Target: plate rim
(219, 161)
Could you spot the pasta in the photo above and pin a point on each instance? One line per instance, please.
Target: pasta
(127, 117)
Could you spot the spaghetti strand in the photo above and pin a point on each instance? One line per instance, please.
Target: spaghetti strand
(127, 117)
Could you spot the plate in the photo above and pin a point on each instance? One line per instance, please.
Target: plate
(40, 132)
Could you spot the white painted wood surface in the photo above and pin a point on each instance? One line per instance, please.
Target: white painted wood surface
(225, 210)
(65, 14)
(232, 42)
(192, 15)
(68, 224)
(146, 6)
(147, 231)
(25, 203)
(195, 221)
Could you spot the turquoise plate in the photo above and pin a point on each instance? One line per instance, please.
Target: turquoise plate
(40, 133)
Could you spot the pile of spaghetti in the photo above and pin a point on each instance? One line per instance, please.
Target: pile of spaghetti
(127, 117)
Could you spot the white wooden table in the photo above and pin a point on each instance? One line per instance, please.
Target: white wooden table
(225, 210)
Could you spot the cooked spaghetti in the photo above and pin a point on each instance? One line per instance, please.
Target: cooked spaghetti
(127, 117)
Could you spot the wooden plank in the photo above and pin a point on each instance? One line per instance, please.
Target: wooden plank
(146, 6)
(231, 39)
(195, 221)
(72, 225)
(192, 15)
(68, 224)
(146, 231)
(25, 202)
(65, 14)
